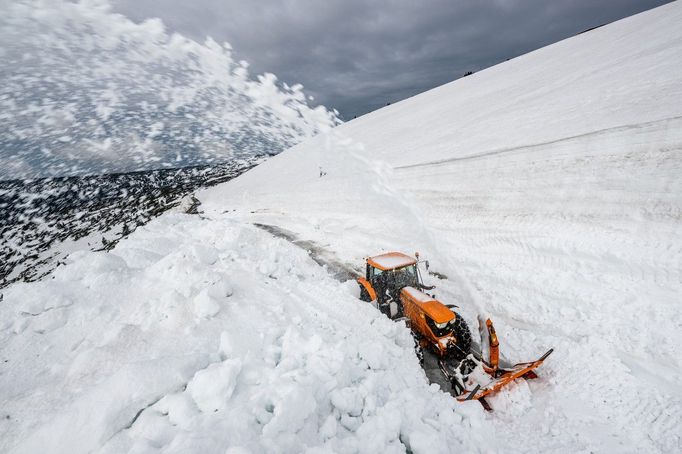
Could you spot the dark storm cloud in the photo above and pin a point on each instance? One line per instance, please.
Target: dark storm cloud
(357, 56)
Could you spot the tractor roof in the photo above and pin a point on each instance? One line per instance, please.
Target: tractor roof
(391, 261)
(436, 310)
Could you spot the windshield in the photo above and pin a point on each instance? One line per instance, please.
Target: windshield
(406, 276)
(394, 280)
(439, 329)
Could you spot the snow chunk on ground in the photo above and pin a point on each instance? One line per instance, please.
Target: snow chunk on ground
(211, 388)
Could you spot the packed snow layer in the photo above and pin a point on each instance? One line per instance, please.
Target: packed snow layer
(548, 190)
(392, 260)
(198, 335)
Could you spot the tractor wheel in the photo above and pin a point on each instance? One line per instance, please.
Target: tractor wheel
(463, 336)
(418, 348)
(364, 294)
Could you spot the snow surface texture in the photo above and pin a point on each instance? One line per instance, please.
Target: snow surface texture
(548, 190)
(196, 336)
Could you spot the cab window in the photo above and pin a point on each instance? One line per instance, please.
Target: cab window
(406, 276)
(439, 329)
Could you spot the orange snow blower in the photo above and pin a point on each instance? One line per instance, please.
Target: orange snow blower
(499, 376)
(393, 283)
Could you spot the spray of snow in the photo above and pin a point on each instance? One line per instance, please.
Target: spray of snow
(374, 176)
(84, 90)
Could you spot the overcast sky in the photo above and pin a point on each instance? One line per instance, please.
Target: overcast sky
(356, 56)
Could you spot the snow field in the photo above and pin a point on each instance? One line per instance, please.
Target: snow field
(547, 189)
(199, 335)
(559, 244)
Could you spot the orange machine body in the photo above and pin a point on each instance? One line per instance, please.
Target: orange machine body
(421, 308)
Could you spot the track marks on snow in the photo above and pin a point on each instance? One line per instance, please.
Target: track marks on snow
(323, 257)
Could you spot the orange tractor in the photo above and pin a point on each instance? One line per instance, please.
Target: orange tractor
(393, 283)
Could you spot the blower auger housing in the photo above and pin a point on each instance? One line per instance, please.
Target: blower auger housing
(393, 283)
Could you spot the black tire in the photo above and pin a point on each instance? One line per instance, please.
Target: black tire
(465, 367)
(457, 386)
(463, 336)
(418, 349)
(364, 294)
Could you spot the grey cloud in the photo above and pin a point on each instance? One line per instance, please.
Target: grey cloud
(357, 55)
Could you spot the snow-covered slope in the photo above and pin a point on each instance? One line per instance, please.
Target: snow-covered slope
(547, 189)
(196, 336)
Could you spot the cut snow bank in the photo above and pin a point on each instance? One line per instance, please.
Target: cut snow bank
(548, 190)
(198, 336)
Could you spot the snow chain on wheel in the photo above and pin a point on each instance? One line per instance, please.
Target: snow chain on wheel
(418, 349)
(463, 336)
(364, 294)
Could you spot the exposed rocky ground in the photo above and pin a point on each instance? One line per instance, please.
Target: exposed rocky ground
(43, 219)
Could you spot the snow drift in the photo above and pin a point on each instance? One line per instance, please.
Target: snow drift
(546, 189)
(195, 336)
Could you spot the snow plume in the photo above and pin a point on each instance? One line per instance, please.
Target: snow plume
(374, 177)
(84, 90)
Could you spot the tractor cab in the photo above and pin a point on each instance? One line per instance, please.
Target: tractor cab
(385, 276)
(393, 272)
